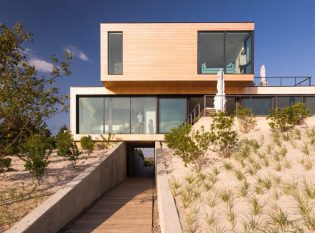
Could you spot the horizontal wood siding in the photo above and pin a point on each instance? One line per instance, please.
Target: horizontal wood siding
(162, 51)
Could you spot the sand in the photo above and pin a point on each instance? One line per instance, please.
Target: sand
(20, 193)
(206, 210)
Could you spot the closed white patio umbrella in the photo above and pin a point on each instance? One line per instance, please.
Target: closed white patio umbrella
(263, 80)
(219, 99)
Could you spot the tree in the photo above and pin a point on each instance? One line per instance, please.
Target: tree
(27, 98)
(36, 150)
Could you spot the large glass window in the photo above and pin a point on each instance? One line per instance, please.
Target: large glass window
(143, 115)
(230, 105)
(91, 115)
(238, 53)
(115, 65)
(172, 113)
(230, 51)
(211, 52)
(117, 115)
(258, 105)
(310, 104)
(286, 101)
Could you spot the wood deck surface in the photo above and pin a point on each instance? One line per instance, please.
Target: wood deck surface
(126, 208)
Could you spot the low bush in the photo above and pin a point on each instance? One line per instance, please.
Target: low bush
(106, 142)
(36, 149)
(66, 147)
(5, 164)
(222, 136)
(246, 119)
(284, 119)
(87, 144)
(189, 146)
(64, 142)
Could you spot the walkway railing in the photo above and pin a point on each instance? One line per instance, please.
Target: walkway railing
(284, 81)
(201, 109)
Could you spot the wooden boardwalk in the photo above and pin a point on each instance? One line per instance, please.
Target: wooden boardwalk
(126, 208)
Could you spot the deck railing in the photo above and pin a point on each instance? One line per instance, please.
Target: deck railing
(283, 81)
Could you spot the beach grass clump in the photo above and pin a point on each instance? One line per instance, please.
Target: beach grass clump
(175, 186)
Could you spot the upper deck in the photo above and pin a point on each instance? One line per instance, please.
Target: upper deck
(158, 54)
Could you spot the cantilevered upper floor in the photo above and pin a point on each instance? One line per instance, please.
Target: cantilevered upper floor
(163, 53)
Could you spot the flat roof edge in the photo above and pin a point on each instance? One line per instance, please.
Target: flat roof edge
(167, 22)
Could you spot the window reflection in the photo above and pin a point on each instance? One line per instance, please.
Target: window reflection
(286, 101)
(172, 113)
(238, 53)
(115, 65)
(143, 115)
(91, 115)
(117, 115)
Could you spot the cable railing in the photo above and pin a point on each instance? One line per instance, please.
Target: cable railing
(283, 81)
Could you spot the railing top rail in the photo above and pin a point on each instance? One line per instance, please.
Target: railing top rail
(285, 81)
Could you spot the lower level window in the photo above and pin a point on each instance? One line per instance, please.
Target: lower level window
(258, 105)
(117, 115)
(172, 113)
(310, 104)
(91, 115)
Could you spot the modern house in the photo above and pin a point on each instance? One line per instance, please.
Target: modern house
(157, 75)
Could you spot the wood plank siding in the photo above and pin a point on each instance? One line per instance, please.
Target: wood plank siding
(157, 53)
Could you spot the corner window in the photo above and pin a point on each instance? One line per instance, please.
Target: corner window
(211, 52)
(91, 115)
(115, 64)
(238, 53)
(230, 51)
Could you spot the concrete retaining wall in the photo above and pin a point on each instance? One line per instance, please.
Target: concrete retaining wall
(168, 215)
(59, 209)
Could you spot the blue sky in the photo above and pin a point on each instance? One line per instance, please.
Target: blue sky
(284, 35)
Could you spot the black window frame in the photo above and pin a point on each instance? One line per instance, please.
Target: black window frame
(122, 52)
(224, 49)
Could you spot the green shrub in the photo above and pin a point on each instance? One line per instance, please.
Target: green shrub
(87, 144)
(64, 142)
(73, 154)
(222, 137)
(190, 147)
(246, 119)
(5, 164)
(37, 151)
(66, 146)
(286, 118)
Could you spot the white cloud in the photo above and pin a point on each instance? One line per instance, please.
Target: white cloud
(41, 65)
(77, 53)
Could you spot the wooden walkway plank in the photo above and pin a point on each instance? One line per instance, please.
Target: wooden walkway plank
(127, 208)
